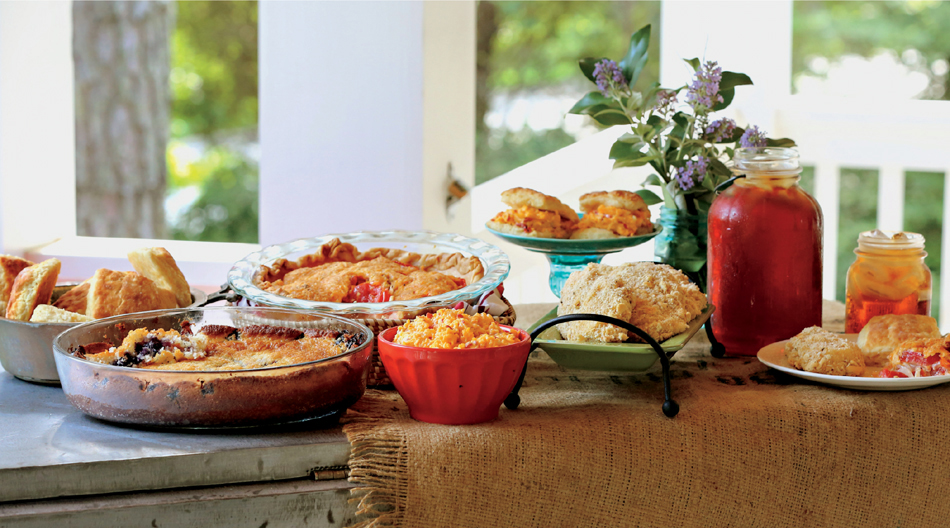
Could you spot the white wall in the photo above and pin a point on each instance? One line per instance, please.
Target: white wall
(751, 37)
(341, 120)
(37, 129)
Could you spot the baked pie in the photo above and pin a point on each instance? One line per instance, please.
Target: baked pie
(340, 273)
(612, 214)
(534, 214)
(220, 347)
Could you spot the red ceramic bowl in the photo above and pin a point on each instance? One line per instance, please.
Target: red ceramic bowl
(454, 386)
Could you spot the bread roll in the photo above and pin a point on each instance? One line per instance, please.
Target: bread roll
(157, 264)
(884, 333)
(32, 287)
(10, 267)
(520, 196)
(46, 313)
(121, 292)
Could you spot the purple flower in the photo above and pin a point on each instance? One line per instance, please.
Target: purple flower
(704, 92)
(665, 100)
(720, 129)
(753, 138)
(691, 174)
(607, 75)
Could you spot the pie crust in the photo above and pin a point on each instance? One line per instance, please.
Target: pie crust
(455, 265)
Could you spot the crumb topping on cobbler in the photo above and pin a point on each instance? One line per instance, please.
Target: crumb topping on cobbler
(220, 347)
(454, 329)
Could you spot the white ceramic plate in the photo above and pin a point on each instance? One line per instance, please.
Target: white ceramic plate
(774, 356)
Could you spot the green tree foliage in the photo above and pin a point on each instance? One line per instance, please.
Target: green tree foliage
(214, 82)
(214, 67)
(226, 209)
(534, 46)
(833, 29)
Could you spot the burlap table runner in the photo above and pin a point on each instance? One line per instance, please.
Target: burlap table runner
(750, 447)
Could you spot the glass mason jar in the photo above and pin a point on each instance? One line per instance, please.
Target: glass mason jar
(888, 276)
(764, 253)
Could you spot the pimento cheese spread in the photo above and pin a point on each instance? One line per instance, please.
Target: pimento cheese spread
(454, 329)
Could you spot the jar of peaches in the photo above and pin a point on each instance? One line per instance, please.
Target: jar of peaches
(888, 276)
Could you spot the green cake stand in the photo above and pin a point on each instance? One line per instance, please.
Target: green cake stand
(566, 256)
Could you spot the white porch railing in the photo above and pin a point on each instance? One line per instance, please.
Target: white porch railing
(912, 135)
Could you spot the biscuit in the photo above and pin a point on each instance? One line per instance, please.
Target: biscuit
(622, 199)
(520, 196)
(157, 264)
(46, 313)
(121, 292)
(75, 299)
(822, 352)
(657, 298)
(884, 333)
(32, 287)
(10, 266)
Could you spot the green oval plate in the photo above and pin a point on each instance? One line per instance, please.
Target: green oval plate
(619, 357)
(582, 247)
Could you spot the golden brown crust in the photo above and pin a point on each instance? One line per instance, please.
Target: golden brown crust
(622, 199)
(157, 264)
(884, 333)
(822, 352)
(32, 287)
(46, 313)
(75, 299)
(10, 267)
(121, 292)
(454, 264)
(521, 196)
(654, 297)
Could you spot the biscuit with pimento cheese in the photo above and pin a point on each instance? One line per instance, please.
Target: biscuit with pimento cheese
(534, 214)
(613, 214)
(883, 334)
(822, 352)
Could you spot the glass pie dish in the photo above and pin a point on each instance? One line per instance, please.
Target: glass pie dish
(243, 276)
(212, 398)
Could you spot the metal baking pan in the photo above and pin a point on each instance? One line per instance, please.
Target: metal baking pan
(213, 398)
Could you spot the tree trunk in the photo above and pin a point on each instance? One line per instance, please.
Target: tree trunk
(121, 54)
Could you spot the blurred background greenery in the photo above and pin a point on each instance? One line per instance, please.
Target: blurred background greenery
(213, 151)
(528, 79)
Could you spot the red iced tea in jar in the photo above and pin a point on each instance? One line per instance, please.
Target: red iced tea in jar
(765, 254)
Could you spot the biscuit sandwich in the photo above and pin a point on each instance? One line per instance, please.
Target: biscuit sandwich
(613, 214)
(534, 214)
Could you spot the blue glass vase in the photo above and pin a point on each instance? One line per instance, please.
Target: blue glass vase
(682, 243)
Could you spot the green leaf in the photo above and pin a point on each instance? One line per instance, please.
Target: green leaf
(708, 184)
(655, 121)
(621, 163)
(681, 119)
(727, 97)
(587, 67)
(694, 62)
(627, 151)
(732, 79)
(652, 179)
(649, 197)
(590, 101)
(719, 168)
(636, 58)
(609, 116)
(781, 142)
(631, 138)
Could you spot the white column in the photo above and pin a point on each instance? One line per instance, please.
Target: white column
(890, 198)
(449, 111)
(944, 292)
(37, 129)
(750, 37)
(341, 117)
